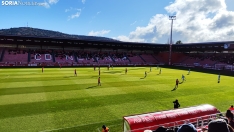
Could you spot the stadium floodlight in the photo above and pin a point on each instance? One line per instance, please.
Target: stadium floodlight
(171, 18)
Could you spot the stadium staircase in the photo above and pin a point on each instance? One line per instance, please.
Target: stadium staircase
(127, 57)
(53, 55)
(156, 58)
(112, 58)
(29, 55)
(75, 56)
(2, 54)
(95, 59)
(184, 60)
(142, 58)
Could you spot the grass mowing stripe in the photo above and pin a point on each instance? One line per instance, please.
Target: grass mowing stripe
(57, 105)
(72, 128)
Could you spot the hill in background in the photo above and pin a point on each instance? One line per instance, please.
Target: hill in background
(35, 32)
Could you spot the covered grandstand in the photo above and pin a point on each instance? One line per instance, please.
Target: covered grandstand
(48, 49)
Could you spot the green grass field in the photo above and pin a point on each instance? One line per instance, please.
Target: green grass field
(57, 101)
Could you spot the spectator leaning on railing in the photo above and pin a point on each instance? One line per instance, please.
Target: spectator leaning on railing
(229, 116)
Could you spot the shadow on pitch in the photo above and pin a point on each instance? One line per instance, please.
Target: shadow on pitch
(112, 72)
(173, 89)
(92, 87)
(136, 68)
(94, 76)
(69, 76)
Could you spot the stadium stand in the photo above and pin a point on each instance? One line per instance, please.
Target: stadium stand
(13, 56)
(62, 57)
(85, 57)
(120, 58)
(135, 59)
(91, 50)
(149, 58)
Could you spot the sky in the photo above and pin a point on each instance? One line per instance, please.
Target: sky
(126, 20)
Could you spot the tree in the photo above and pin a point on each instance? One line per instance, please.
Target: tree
(179, 42)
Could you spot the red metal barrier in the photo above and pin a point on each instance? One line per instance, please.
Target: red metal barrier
(170, 118)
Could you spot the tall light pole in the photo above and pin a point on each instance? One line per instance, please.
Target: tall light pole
(172, 18)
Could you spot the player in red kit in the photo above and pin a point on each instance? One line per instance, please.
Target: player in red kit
(75, 74)
(99, 81)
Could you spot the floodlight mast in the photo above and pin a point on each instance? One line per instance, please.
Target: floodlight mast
(171, 18)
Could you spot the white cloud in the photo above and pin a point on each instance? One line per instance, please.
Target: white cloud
(83, 1)
(76, 13)
(133, 23)
(67, 10)
(53, 1)
(197, 21)
(128, 39)
(98, 33)
(45, 4)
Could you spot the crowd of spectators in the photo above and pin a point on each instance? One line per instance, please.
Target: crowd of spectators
(119, 56)
(16, 51)
(86, 55)
(62, 54)
(102, 56)
(223, 123)
(224, 58)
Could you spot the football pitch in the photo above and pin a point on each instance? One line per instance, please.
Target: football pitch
(56, 100)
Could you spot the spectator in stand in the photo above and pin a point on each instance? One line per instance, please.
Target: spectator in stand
(187, 128)
(176, 129)
(231, 108)
(105, 129)
(218, 125)
(229, 127)
(229, 116)
(169, 130)
(148, 131)
(160, 129)
(176, 104)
